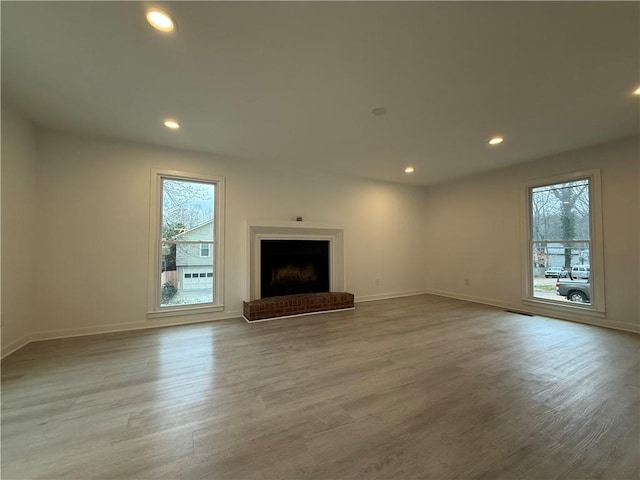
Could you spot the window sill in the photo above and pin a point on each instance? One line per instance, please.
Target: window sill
(181, 311)
(562, 307)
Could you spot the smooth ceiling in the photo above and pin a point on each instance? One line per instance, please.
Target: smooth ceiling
(294, 83)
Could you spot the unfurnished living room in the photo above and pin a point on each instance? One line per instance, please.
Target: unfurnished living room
(320, 240)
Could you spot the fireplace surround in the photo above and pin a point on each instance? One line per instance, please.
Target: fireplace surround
(323, 286)
(257, 231)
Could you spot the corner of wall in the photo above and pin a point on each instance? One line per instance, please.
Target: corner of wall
(18, 192)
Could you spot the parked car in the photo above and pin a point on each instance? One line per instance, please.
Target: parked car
(581, 271)
(574, 291)
(555, 272)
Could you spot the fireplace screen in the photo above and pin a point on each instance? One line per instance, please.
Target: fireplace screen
(289, 267)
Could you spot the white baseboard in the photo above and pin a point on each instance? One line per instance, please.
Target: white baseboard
(123, 327)
(15, 345)
(387, 296)
(471, 298)
(540, 311)
(143, 325)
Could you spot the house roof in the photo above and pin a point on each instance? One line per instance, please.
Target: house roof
(295, 83)
(560, 249)
(197, 227)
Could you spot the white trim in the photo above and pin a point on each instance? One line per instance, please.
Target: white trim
(596, 250)
(557, 314)
(16, 345)
(387, 296)
(278, 230)
(125, 327)
(185, 310)
(144, 325)
(297, 315)
(473, 299)
(209, 245)
(562, 305)
(155, 237)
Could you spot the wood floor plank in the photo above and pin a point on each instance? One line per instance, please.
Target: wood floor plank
(419, 387)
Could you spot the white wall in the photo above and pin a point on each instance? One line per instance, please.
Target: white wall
(19, 200)
(83, 207)
(94, 215)
(472, 231)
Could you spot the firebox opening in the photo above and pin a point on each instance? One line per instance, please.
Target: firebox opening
(289, 267)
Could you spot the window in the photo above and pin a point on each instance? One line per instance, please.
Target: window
(564, 242)
(186, 243)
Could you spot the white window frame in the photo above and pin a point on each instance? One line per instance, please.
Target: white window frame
(597, 306)
(208, 250)
(154, 310)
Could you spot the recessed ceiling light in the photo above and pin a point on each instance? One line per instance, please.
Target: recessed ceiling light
(172, 124)
(409, 170)
(379, 111)
(496, 141)
(636, 91)
(160, 20)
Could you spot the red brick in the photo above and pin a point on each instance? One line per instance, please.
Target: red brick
(296, 304)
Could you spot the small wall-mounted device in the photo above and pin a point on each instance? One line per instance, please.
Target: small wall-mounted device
(298, 219)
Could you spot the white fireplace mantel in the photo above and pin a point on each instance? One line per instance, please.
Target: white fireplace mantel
(279, 230)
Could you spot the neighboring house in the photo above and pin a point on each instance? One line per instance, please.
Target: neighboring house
(194, 262)
(554, 256)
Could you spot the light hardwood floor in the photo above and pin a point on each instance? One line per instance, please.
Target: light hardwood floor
(418, 387)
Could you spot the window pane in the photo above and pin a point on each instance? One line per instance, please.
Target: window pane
(561, 250)
(187, 216)
(187, 210)
(565, 241)
(183, 262)
(562, 272)
(561, 211)
(190, 281)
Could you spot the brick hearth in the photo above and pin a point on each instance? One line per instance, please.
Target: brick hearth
(287, 305)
